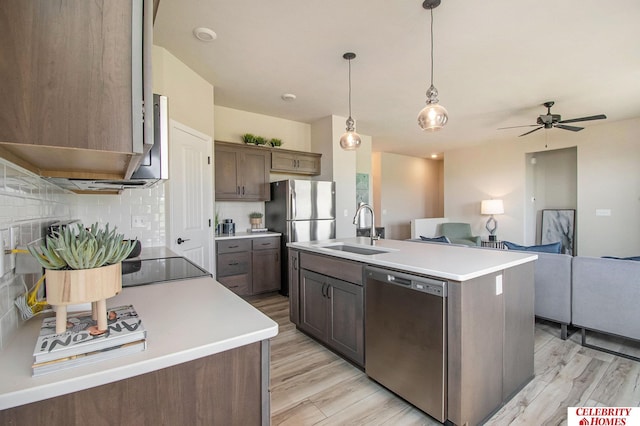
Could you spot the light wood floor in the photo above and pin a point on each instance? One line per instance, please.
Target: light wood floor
(310, 385)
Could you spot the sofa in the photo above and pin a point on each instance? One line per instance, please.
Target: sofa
(606, 296)
(590, 293)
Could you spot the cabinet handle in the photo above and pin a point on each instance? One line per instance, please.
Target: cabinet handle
(242, 189)
(298, 163)
(233, 263)
(293, 163)
(234, 246)
(323, 286)
(328, 291)
(266, 244)
(238, 191)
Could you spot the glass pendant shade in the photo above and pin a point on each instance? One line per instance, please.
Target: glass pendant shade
(350, 140)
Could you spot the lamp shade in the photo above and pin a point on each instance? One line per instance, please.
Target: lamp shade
(492, 207)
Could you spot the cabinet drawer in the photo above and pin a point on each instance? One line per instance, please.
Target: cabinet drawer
(332, 267)
(265, 243)
(239, 284)
(233, 246)
(234, 264)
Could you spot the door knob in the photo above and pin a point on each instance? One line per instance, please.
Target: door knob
(180, 240)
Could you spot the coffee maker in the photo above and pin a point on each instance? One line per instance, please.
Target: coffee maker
(228, 227)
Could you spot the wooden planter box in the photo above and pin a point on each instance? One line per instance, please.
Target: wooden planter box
(82, 286)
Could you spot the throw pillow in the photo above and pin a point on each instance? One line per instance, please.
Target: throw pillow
(441, 239)
(544, 248)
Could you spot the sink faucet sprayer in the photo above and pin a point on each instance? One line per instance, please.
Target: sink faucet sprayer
(372, 233)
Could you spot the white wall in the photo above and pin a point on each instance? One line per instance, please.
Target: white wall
(608, 177)
(231, 124)
(341, 168)
(408, 188)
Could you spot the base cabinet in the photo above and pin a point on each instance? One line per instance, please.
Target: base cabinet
(332, 311)
(249, 266)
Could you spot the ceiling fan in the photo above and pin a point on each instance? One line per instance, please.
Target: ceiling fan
(548, 120)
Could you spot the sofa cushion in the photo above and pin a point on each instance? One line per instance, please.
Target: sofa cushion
(440, 239)
(544, 248)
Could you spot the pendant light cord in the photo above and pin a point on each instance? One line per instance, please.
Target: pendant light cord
(349, 87)
(431, 46)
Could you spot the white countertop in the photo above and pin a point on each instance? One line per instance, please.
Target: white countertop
(438, 260)
(185, 320)
(239, 235)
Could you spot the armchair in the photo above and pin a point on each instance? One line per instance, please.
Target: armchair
(459, 233)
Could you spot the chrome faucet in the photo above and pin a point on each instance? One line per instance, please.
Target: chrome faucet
(372, 233)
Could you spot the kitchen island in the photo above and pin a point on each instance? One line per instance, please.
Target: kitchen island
(485, 346)
(206, 362)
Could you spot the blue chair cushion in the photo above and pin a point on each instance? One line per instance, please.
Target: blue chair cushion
(544, 248)
(441, 239)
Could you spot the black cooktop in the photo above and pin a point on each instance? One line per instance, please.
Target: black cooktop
(154, 271)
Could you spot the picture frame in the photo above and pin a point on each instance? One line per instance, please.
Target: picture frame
(559, 225)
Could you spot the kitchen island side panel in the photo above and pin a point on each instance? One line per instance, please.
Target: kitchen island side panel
(519, 328)
(475, 341)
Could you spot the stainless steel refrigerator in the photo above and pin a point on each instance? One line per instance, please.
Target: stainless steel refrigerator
(301, 210)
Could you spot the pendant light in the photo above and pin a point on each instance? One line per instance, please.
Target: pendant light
(350, 140)
(434, 116)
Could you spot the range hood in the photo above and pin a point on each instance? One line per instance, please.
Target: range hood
(153, 168)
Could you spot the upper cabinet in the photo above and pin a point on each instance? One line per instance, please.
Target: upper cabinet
(73, 86)
(295, 162)
(242, 172)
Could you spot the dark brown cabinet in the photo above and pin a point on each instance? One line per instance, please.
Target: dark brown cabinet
(266, 265)
(72, 77)
(295, 162)
(249, 266)
(242, 173)
(326, 302)
(332, 310)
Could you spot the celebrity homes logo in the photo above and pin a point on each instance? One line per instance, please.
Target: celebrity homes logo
(603, 416)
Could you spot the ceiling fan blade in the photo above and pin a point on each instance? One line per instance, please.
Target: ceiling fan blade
(590, 118)
(534, 130)
(515, 127)
(572, 128)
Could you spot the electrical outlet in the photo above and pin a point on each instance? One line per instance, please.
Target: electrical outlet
(138, 222)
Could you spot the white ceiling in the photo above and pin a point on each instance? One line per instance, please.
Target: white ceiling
(496, 62)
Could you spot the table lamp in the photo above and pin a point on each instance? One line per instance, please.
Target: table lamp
(491, 207)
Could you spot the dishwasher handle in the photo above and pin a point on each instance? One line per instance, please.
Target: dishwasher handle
(414, 282)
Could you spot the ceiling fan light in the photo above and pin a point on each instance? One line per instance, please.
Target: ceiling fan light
(433, 117)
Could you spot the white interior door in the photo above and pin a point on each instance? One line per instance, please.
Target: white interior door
(190, 192)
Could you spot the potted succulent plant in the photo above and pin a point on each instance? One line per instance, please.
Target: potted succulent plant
(275, 142)
(82, 265)
(256, 219)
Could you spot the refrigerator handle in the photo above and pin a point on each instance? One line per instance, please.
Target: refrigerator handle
(293, 203)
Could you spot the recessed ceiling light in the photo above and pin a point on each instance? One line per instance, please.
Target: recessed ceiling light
(204, 34)
(434, 155)
(288, 97)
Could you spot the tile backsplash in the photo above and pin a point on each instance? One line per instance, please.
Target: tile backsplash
(137, 213)
(28, 205)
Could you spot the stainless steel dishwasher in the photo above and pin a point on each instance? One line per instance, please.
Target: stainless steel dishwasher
(405, 337)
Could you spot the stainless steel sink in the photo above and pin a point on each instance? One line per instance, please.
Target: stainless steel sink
(355, 249)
